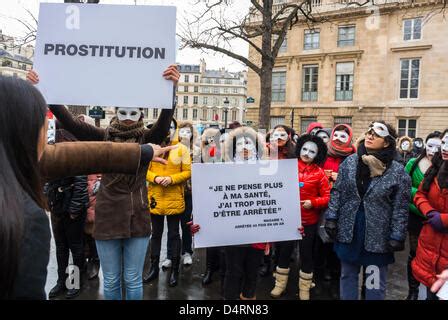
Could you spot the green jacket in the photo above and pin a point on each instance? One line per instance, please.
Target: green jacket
(417, 178)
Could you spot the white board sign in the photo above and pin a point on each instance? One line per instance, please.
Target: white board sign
(239, 204)
(105, 55)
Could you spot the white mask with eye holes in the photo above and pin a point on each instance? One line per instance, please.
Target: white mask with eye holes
(185, 133)
(418, 144)
(132, 114)
(444, 146)
(405, 145)
(309, 149)
(433, 146)
(324, 137)
(341, 136)
(172, 130)
(279, 135)
(245, 143)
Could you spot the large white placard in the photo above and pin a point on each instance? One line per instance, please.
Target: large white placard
(245, 203)
(105, 55)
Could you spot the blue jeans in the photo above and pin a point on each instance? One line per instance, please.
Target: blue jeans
(128, 254)
(375, 282)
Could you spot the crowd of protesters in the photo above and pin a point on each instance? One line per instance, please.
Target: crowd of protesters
(109, 192)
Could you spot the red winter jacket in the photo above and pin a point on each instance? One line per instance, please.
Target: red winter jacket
(432, 249)
(314, 187)
(332, 163)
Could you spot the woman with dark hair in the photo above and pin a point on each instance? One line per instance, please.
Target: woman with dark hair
(416, 168)
(122, 222)
(280, 144)
(368, 212)
(314, 196)
(431, 200)
(25, 163)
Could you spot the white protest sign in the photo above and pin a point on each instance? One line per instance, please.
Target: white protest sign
(234, 203)
(443, 292)
(105, 55)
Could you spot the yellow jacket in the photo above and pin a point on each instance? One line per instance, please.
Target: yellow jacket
(169, 200)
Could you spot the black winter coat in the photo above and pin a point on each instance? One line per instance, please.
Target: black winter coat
(68, 196)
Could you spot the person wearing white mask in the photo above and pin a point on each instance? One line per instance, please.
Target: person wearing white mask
(122, 221)
(324, 134)
(404, 146)
(416, 168)
(368, 212)
(314, 196)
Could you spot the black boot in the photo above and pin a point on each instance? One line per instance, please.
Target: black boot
(57, 290)
(73, 293)
(412, 282)
(174, 276)
(265, 269)
(93, 268)
(153, 271)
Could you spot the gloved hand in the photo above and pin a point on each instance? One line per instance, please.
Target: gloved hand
(194, 228)
(394, 245)
(331, 228)
(435, 220)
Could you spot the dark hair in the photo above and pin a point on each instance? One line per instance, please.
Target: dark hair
(234, 125)
(392, 137)
(432, 172)
(23, 116)
(422, 154)
(290, 144)
(321, 146)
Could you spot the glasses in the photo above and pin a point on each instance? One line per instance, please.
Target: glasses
(372, 133)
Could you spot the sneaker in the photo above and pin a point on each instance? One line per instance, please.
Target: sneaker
(187, 260)
(167, 263)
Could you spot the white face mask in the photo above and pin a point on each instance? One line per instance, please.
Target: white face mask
(433, 146)
(324, 137)
(444, 146)
(405, 145)
(185, 133)
(309, 150)
(418, 144)
(313, 132)
(132, 114)
(279, 135)
(172, 130)
(341, 135)
(245, 143)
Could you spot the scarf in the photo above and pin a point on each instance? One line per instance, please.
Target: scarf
(336, 151)
(442, 177)
(371, 165)
(119, 132)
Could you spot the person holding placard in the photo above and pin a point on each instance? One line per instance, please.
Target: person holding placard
(122, 222)
(314, 195)
(432, 201)
(368, 212)
(26, 161)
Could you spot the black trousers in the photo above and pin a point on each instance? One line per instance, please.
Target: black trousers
(157, 222)
(284, 250)
(90, 247)
(187, 239)
(242, 264)
(69, 237)
(325, 259)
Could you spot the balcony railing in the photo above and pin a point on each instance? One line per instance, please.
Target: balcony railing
(309, 95)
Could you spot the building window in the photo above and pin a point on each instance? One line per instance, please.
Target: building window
(217, 81)
(346, 36)
(185, 113)
(155, 113)
(196, 79)
(342, 120)
(175, 113)
(310, 79)
(278, 86)
(195, 100)
(234, 113)
(311, 39)
(185, 88)
(412, 29)
(204, 114)
(407, 127)
(186, 78)
(204, 100)
(284, 47)
(305, 122)
(276, 120)
(195, 114)
(226, 90)
(196, 89)
(205, 89)
(235, 90)
(228, 81)
(216, 90)
(409, 81)
(185, 99)
(344, 81)
(215, 101)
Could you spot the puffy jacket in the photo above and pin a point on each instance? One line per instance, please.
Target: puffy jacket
(92, 179)
(432, 250)
(315, 187)
(68, 195)
(417, 178)
(169, 200)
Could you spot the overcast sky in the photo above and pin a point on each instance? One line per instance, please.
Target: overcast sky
(16, 9)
